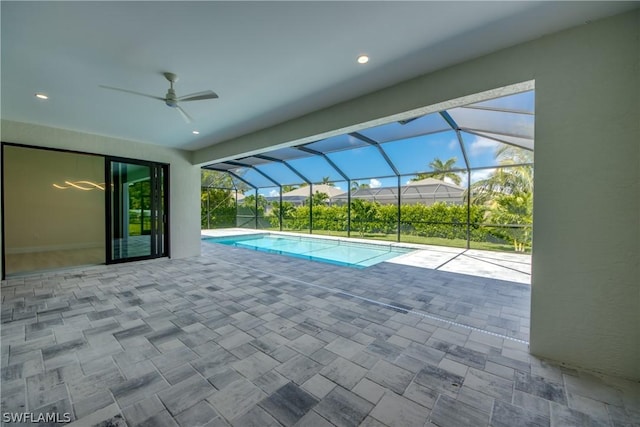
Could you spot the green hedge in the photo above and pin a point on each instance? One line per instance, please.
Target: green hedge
(438, 220)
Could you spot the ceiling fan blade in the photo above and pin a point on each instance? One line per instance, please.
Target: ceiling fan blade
(132, 92)
(184, 114)
(405, 121)
(206, 94)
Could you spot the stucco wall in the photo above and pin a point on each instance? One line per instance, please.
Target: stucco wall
(586, 281)
(184, 177)
(586, 276)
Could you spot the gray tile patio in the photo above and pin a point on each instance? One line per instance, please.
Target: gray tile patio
(241, 338)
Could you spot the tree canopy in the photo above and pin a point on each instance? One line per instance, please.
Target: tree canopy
(508, 193)
(441, 170)
(217, 179)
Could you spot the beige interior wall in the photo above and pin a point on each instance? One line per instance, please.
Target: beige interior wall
(43, 217)
(586, 246)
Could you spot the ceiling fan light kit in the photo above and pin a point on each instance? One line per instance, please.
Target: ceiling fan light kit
(171, 99)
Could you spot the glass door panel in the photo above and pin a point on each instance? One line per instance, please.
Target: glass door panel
(136, 220)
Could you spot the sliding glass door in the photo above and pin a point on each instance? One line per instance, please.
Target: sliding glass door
(136, 227)
(66, 209)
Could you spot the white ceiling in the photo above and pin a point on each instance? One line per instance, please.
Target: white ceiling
(268, 61)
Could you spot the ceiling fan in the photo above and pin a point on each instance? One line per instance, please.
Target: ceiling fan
(170, 98)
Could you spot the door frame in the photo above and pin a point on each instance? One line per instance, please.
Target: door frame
(156, 185)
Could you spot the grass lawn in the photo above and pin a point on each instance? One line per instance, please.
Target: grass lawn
(134, 227)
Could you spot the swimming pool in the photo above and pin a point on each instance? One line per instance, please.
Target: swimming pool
(352, 254)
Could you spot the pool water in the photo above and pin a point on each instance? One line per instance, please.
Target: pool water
(359, 255)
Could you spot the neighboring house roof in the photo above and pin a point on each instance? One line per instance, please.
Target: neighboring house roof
(429, 190)
(433, 181)
(317, 188)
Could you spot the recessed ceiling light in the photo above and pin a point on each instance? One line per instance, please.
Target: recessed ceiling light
(41, 96)
(195, 132)
(363, 59)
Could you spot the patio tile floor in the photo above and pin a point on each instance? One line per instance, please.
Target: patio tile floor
(238, 338)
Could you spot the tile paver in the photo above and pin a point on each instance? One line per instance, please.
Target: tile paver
(288, 404)
(506, 415)
(343, 408)
(449, 412)
(344, 372)
(185, 394)
(394, 410)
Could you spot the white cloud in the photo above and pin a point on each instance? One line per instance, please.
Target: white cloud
(482, 145)
(374, 183)
(274, 193)
(450, 181)
(481, 174)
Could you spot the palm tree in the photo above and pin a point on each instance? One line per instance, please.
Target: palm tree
(516, 212)
(515, 180)
(287, 188)
(508, 193)
(355, 186)
(327, 181)
(318, 198)
(441, 170)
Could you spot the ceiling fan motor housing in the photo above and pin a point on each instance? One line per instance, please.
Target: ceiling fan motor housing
(171, 99)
